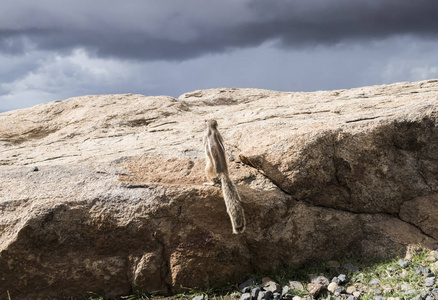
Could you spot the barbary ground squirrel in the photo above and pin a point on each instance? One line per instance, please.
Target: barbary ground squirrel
(217, 168)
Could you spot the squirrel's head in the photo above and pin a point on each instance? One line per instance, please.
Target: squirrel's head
(211, 123)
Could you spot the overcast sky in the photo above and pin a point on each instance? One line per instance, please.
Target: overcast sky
(56, 49)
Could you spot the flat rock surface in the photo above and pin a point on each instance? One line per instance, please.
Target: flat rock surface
(105, 193)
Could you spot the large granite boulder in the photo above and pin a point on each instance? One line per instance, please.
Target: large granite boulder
(105, 193)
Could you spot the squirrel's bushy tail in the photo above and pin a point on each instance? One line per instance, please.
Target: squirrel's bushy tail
(233, 204)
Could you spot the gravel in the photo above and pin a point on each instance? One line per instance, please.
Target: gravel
(416, 281)
(340, 289)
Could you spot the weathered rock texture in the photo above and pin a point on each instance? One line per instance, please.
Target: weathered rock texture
(105, 194)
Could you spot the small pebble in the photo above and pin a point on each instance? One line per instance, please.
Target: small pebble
(410, 292)
(433, 256)
(392, 269)
(271, 286)
(268, 295)
(315, 289)
(351, 297)
(200, 297)
(422, 270)
(339, 290)
(343, 278)
(374, 282)
(430, 281)
(261, 295)
(322, 280)
(350, 290)
(379, 298)
(387, 289)
(255, 292)
(35, 169)
(245, 296)
(377, 292)
(332, 287)
(434, 291)
(296, 285)
(403, 263)
(285, 289)
(336, 280)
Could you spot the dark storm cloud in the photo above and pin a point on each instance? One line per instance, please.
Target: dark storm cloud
(330, 22)
(11, 43)
(319, 22)
(178, 30)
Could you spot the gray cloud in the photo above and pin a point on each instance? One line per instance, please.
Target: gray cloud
(328, 22)
(162, 30)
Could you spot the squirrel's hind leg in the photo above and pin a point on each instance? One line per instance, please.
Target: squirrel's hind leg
(211, 174)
